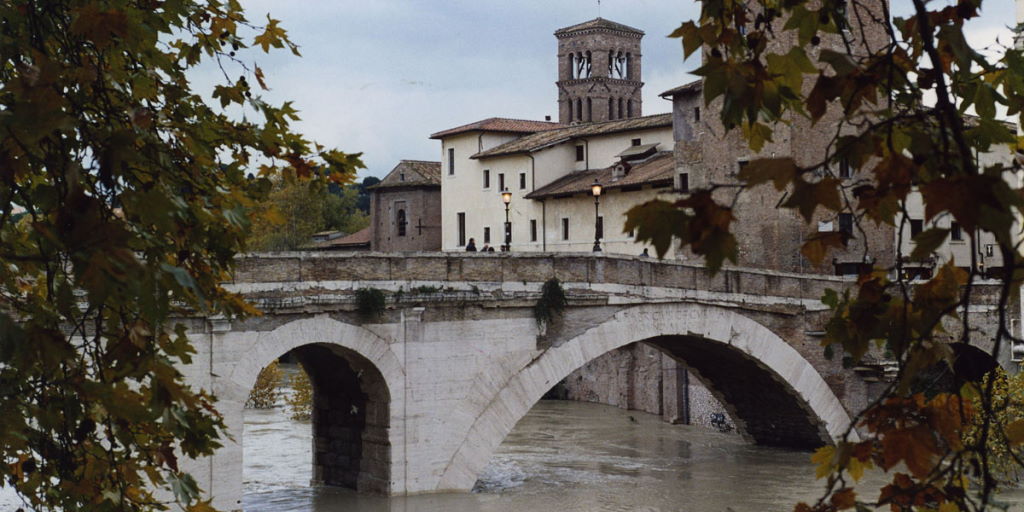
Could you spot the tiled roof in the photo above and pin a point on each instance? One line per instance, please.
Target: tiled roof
(598, 23)
(655, 170)
(499, 124)
(694, 86)
(356, 240)
(416, 173)
(544, 139)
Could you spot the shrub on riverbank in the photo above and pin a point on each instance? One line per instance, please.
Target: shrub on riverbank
(265, 393)
(301, 399)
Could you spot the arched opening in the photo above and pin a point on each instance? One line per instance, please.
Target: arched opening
(776, 396)
(400, 221)
(348, 424)
(590, 109)
(611, 108)
(579, 109)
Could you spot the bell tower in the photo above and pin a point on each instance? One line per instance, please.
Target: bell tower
(598, 72)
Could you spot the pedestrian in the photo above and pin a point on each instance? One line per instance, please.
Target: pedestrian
(485, 248)
(471, 246)
(490, 249)
(645, 254)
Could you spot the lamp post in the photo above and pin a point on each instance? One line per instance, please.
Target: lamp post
(506, 197)
(596, 190)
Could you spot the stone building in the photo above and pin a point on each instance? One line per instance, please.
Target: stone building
(405, 208)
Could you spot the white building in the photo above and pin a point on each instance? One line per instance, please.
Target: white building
(549, 168)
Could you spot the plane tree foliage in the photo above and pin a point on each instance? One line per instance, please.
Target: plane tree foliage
(124, 195)
(898, 111)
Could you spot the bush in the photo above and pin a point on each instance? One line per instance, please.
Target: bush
(1007, 409)
(301, 399)
(370, 302)
(551, 303)
(265, 393)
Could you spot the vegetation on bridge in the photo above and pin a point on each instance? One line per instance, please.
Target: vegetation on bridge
(899, 109)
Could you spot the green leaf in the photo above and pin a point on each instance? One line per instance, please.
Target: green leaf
(927, 242)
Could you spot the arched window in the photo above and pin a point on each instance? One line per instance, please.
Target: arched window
(629, 67)
(400, 220)
(590, 110)
(579, 109)
(629, 108)
(611, 108)
(621, 109)
(570, 109)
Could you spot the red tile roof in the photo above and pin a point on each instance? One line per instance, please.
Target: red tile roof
(499, 124)
(416, 173)
(656, 170)
(597, 23)
(358, 240)
(547, 138)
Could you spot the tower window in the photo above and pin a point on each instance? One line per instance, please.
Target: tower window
(522, 181)
(487, 178)
(590, 110)
(579, 153)
(622, 104)
(955, 233)
(565, 228)
(400, 220)
(533, 230)
(579, 109)
(611, 108)
(451, 161)
(629, 108)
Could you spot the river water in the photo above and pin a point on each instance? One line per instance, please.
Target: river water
(563, 456)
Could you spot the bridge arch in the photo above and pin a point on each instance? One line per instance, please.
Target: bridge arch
(690, 332)
(357, 396)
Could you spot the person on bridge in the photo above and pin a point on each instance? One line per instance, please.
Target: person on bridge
(471, 246)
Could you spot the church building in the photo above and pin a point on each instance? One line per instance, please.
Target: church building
(542, 176)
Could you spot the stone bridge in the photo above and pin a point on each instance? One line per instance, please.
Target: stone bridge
(415, 398)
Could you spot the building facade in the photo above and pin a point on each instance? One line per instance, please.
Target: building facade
(405, 208)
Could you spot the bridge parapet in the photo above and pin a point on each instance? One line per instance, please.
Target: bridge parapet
(259, 269)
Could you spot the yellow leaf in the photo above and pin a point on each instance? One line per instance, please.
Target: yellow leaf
(823, 458)
(1015, 432)
(856, 468)
(949, 506)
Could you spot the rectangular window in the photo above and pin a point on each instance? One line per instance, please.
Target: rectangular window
(600, 227)
(844, 168)
(487, 235)
(989, 250)
(696, 114)
(565, 228)
(846, 223)
(501, 181)
(636, 142)
(451, 161)
(487, 178)
(579, 153)
(684, 182)
(462, 228)
(955, 233)
(533, 230)
(522, 181)
(741, 164)
(916, 227)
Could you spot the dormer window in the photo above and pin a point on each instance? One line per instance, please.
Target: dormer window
(620, 171)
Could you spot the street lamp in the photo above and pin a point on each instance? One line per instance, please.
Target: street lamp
(596, 190)
(506, 197)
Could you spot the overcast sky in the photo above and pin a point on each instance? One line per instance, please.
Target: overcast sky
(379, 76)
